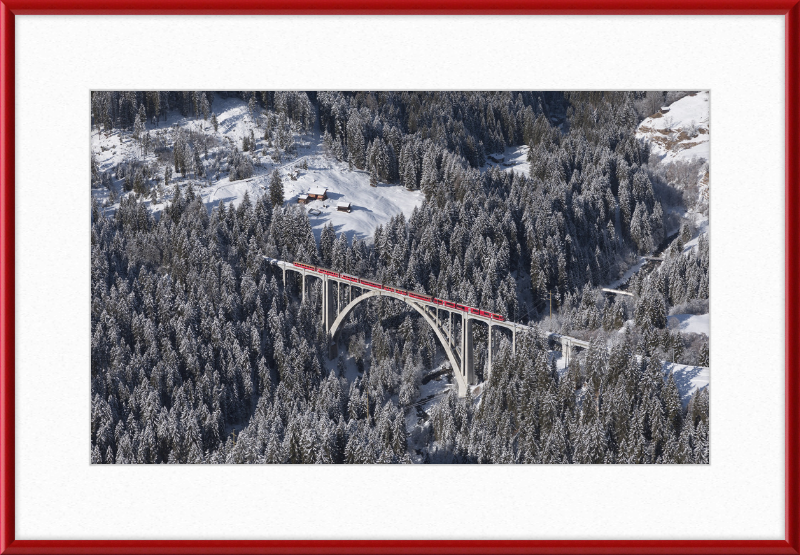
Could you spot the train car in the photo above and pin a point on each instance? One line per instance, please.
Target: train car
(349, 278)
(305, 266)
(421, 297)
(370, 283)
(498, 317)
(449, 304)
(327, 272)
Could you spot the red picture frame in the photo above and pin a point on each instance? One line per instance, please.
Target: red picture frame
(790, 9)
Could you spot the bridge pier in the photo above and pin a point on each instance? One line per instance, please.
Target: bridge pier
(329, 313)
(566, 350)
(303, 287)
(468, 368)
(328, 305)
(450, 329)
(514, 339)
(489, 371)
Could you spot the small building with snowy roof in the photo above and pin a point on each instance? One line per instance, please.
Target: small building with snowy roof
(302, 199)
(343, 207)
(318, 193)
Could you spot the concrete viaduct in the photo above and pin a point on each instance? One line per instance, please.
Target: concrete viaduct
(339, 303)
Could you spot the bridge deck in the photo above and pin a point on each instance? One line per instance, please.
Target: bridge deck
(511, 326)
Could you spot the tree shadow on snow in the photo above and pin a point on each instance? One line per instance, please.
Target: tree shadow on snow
(683, 376)
(215, 203)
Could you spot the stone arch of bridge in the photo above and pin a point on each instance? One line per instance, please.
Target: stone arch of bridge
(454, 362)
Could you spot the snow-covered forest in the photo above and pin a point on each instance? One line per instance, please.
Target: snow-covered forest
(525, 204)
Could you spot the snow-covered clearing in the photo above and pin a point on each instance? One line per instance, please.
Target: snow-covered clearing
(693, 323)
(371, 206)
(681, 130)
(514, 158)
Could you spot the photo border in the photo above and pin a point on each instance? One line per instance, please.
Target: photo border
(790, 9)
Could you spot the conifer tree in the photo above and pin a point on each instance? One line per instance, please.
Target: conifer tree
(276, 189)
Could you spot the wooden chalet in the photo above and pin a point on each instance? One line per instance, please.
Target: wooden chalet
(318, 193)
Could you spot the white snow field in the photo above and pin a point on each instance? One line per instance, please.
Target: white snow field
(370, 206)
(693, 323)
(679, 131)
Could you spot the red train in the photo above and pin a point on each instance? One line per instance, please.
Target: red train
(398, 291)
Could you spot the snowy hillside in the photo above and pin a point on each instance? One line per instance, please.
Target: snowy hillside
(679, 131)
(370, 206)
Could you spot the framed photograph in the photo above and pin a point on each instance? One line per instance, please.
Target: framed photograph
(399, 278)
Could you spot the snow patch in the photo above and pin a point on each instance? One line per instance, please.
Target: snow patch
(693, 323)
(682, 132)
(513, 158)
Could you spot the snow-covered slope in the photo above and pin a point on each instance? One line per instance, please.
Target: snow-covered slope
(679, 131)
(371, 206)
(693, 323)
(688, 378)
